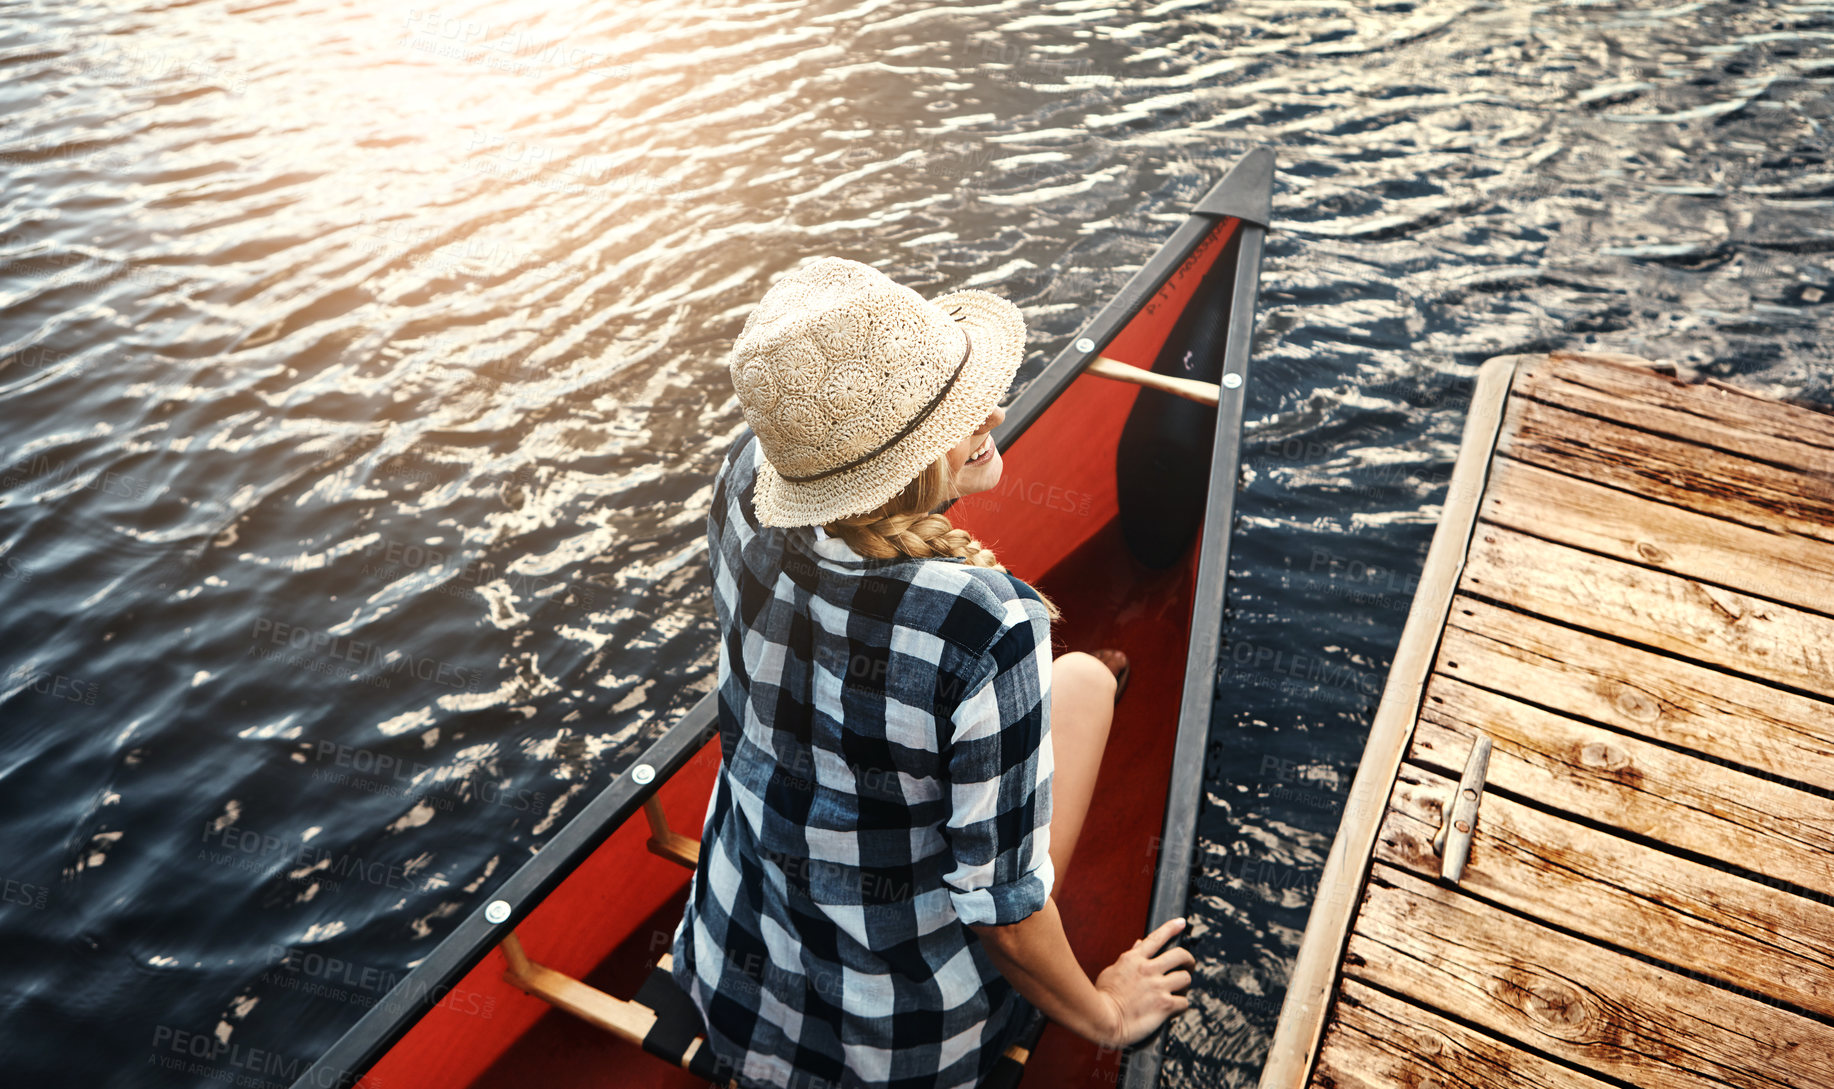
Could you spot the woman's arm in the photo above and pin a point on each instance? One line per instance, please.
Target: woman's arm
(998, 832)
(1133, 997)
(1035, 957)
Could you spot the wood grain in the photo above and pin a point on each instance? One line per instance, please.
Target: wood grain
(1630, 784)
(1699, 620)
(1313, 984)
(1674, 471)
(1782, 566)
(1553, 993)
(1377, 1041)
(1638, 691)
(1619, 892)
(1752, 427)
(1641, 622)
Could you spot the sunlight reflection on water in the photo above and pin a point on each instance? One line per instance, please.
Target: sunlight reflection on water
(363, 373)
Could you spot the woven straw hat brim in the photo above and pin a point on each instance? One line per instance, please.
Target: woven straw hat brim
(997, 327)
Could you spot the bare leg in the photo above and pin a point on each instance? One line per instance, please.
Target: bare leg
(1082, 707)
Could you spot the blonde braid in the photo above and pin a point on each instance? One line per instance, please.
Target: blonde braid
(906, 525)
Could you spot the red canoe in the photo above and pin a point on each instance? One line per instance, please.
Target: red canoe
(1116, 500)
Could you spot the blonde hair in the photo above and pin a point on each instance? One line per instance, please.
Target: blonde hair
(908, 524)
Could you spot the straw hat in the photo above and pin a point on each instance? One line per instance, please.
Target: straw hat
(855, 383)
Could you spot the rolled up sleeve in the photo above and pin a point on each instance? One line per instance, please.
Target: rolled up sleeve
(999, 760)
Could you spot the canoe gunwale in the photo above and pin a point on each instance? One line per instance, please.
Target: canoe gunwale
(1311, 990)
(1185, 787)
(474, 938)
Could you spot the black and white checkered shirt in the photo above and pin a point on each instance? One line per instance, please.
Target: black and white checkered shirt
(885, 781)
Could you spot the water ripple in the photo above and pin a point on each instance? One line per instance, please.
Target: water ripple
(363, 369)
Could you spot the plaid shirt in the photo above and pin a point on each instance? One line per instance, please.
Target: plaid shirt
(885, 781)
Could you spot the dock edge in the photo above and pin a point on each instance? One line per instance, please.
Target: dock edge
(1294, 1048)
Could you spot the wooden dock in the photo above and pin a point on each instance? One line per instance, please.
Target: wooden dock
(1631, 596)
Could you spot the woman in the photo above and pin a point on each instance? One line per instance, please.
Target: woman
(905, 766)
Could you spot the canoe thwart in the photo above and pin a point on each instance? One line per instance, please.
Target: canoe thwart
(512, 950)
(625, 1020)
(670, 845)
(1188, 388)
(1454, 839)
(660, 1019)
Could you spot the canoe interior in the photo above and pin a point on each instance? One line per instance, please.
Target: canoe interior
(1051, 520)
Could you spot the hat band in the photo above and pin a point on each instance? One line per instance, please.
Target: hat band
(907, 429)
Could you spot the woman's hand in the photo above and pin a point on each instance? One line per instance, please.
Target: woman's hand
(1130, 999)
(1142, 988)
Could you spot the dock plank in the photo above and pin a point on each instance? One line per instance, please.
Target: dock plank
(1377, 1041)
(1606, 1012)
(1630, 688)
(1750, 635)
(1626, 783)
(1785, 567)
(1753, 427)
(1673, 471)
(1623, 893)
(1639, 618)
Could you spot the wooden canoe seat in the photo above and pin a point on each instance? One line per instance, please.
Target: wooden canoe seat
(664, 1021)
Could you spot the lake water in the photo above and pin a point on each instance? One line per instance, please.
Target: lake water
(362, 377)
